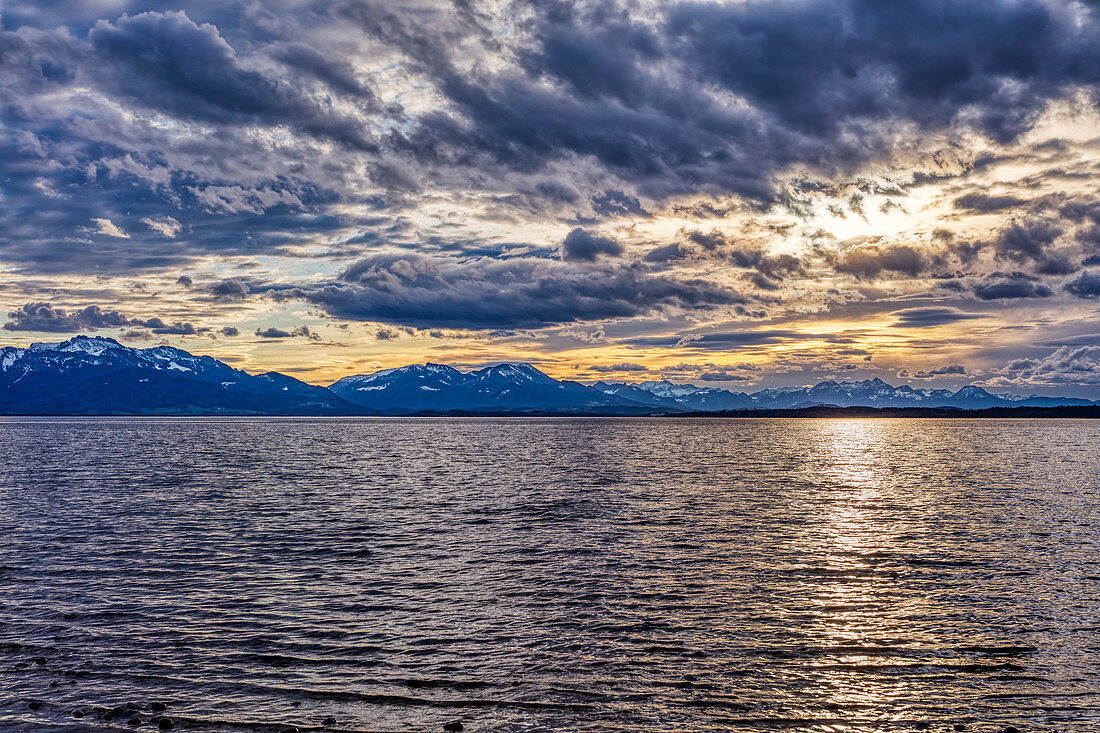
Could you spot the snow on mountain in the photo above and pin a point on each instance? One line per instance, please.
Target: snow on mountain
(867, 393)
(96, 375)
(499, 388)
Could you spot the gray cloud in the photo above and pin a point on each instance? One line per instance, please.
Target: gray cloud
(581, 246)
(620, 367)
(40, 316)
(873, 261)
(280, 333)
(1085, 285)
(44, 317)
(1012, 287)
(1067, 365)
(952, 370)
(424, 292)
(931, 316)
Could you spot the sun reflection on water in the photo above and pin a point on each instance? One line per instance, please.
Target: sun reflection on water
(853, 595)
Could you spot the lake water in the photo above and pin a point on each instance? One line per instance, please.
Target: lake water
(545, 574)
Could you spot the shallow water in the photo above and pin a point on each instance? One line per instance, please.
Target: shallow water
(544, 574)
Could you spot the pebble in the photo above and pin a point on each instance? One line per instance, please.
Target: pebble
(40, 660)
(133, 721)
(328, 721)
(166, 724)
(34, 705)
(78, 713)
(1011, 729)
(158, 707)
(453, 726)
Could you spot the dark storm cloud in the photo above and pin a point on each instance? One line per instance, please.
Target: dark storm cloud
(633, 93)
(44, 317)
(252, 128)
(168, 62)
(982, 203)
(637, 93)
(419, 291)
(1022, 242)
(235, 289)
(179, 328)
(931, 316)
(280, 333)
(617, 203)
(335, 72)
(1012, 287)
(41, 316)
(581, 246)
(1085, 285)
(668, 253)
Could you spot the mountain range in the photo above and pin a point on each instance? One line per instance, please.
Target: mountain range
(99, 376)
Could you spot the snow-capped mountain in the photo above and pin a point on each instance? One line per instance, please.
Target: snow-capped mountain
(101, 376)
(679, 396)
(867, 393)
(97, 376)
(412, 388)
(520, 388)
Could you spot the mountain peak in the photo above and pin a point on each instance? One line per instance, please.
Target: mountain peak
(516, 372)
(94, 345)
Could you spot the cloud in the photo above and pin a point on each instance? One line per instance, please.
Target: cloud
(235, 289)
(167, 226)
(715, 341)
(229, 331)
(1068, 365)
(522, 292)
(273, 332)
(871, 261)
(645, 94)
(930, 316)
(1021, 242)
(107, 228)
(166, 61)
(1012, 287)
(952, 370)
(1085, 285)
(982, 203)
(724, 376)
(581, 246)
(620, 367)
(668, 253)
(178, 328)
(41, 316)
(617, 203)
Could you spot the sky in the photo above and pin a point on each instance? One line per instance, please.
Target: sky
(744, 194)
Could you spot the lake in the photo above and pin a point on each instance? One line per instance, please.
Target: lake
(550, 574)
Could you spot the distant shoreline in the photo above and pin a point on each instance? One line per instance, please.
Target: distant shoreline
(818, 412)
